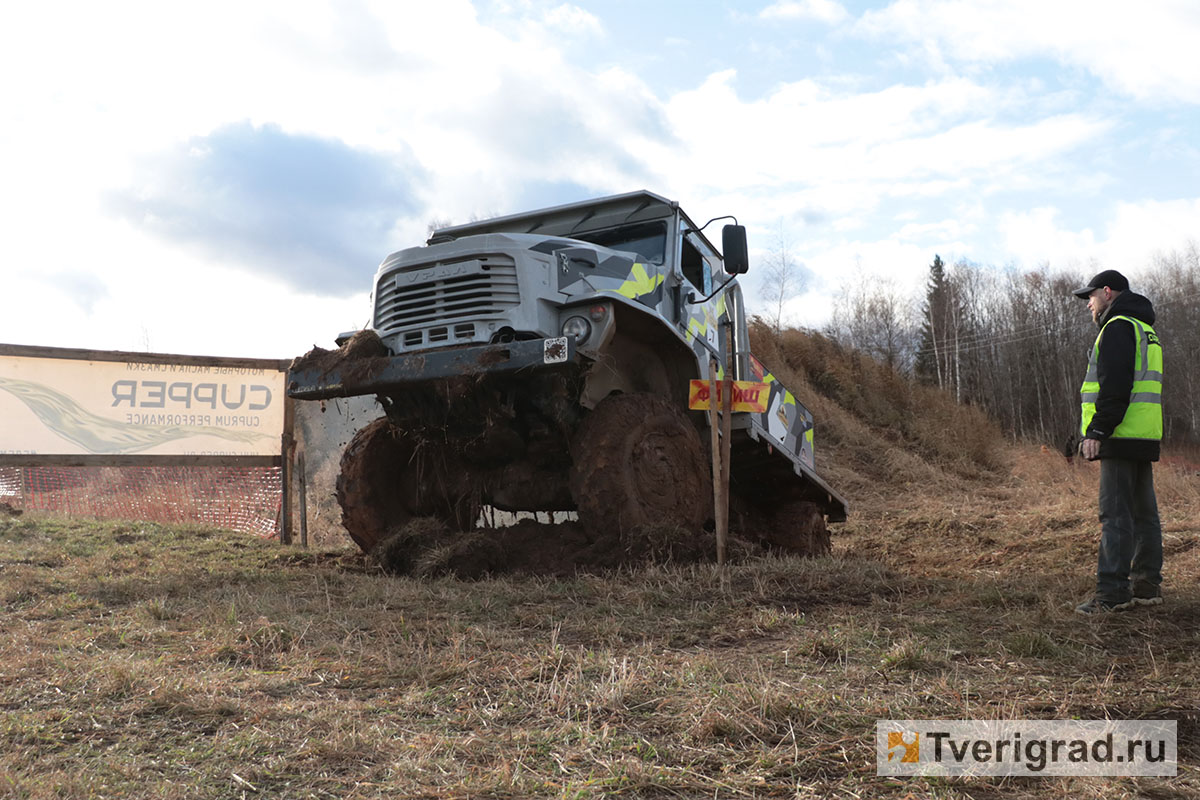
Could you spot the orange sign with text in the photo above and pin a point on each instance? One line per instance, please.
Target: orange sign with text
(747, 396)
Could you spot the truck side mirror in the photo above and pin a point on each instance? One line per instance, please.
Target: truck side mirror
(734, 250)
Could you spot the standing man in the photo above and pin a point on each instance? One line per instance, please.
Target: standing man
(1122, 426)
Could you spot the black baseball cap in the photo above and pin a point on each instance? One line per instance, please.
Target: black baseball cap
(1110, 278)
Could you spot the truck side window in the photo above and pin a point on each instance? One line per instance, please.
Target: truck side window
(692, 264)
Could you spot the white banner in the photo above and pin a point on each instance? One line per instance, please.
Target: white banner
(61, 406)
(1026, 747)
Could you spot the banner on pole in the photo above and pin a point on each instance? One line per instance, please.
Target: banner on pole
(747, 396)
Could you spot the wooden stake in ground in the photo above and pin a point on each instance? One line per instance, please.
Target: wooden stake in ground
(726, 445)
(286, 471)
(302, 489)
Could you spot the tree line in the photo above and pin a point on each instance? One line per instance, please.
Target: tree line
(1016, 343)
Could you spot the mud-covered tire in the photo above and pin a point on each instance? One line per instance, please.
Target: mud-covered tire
(374, 494)
(385, 481)
(637, 461)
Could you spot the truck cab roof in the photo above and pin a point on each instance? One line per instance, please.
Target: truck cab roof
(570, 219)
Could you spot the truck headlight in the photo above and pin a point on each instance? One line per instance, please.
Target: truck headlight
(577, 328)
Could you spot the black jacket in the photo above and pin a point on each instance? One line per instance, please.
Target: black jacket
(1115, 373)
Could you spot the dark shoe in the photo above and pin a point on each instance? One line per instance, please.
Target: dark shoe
(1095, 605)
(1148, 597)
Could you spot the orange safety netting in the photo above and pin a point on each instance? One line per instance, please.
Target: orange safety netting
(233, 498)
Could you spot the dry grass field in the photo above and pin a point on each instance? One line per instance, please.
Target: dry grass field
(160, 662)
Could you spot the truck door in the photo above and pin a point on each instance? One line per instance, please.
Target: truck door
(699, 320)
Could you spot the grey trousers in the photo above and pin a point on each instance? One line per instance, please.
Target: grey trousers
(1130, 560)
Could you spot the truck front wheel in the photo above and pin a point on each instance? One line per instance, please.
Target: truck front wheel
(636, 461)
(386, 479)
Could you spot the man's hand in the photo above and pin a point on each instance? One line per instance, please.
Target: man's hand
(1090, 449)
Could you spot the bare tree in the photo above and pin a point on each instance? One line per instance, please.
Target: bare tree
(870, 315)
(1174, 287)
(781, 279)
(435, 224)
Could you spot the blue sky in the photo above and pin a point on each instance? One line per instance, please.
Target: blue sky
(223, 178)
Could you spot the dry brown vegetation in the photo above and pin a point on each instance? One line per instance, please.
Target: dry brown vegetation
(152, 661)
(149, 661)
(877, 431)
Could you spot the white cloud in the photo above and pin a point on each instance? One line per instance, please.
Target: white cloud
(161, 298)
(810, 147)
(826, 161)
(573, 19)
(1145, 50)
(828, 11)
(1126, 239)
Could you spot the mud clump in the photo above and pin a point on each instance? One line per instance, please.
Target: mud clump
(364, 344)
(401, 550)
(425, 547)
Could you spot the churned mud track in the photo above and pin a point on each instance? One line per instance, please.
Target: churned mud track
(425, 547)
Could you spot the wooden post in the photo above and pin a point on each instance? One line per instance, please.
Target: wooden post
(718, 497)
(726, 445)
(302, 489)
(285, 471)
(285, 510)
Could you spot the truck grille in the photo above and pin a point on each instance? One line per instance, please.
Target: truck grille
(467, 289)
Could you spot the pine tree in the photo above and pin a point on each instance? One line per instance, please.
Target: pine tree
(930, 357)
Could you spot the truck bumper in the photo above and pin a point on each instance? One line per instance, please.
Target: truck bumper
(360, 376)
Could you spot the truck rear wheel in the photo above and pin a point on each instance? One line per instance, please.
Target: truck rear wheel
(808, 535)
(386, 479)
(637, 461)
(795, 527)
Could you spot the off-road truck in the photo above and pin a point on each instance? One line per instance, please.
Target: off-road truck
(542, 361)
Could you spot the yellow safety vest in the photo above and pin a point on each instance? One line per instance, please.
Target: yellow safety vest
(1143, 419)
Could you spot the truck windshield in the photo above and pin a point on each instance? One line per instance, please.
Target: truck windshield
(648, 240)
